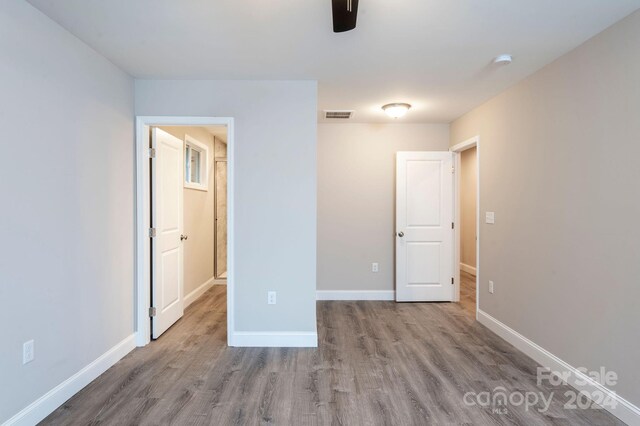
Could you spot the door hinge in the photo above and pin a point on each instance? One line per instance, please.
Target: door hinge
(453, 170)
(152, 153)
(152, 312)
(451, 280)
(452, 225)
(152, 232)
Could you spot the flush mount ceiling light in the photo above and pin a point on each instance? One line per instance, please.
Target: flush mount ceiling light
(503, 59)
(396, 110)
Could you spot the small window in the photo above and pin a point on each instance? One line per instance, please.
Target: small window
(196, 157)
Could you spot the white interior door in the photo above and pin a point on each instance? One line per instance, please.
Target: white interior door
(424, 231)
(167, 219)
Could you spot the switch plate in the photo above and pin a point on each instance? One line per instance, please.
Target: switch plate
(491, 287)
(28, 352)
(375, 267)
(490, 217)
(271, 297)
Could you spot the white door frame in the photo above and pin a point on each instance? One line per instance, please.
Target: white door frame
(457, 153)
(143, 214)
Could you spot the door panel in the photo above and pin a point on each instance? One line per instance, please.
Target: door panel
(424, 235)
(169, 276)
(423, 177)
(167, 218)
(423, 263)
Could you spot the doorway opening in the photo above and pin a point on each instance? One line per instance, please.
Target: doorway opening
(184, 206)
(467, 231)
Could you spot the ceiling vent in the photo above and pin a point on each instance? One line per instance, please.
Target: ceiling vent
(339, 114)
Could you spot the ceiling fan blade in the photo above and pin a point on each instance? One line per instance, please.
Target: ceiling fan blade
(345, 13)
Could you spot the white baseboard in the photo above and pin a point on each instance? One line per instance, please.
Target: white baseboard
(355, 295)
(47, 403)
(276, 339)
(624, 410)
(468, 269)
(195, 294)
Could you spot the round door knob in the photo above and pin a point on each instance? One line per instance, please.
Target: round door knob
(183, 237)
(400, 234)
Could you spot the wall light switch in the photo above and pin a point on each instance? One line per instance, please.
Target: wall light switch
(491, 287)
(490, 217)
(375, 267)
(28, 352)
(271, 297)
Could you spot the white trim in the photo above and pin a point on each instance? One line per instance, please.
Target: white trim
(463, 146)
(355, 295)
(47, 403)
(457, 219)
(143, 261)
(195, 294)
(624, 410)
(276, 339)
(457, 149)
(468, 269)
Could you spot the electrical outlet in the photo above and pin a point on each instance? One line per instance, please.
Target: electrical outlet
(490, 218)
(491, 287)
(375, 267)
(271, 297)
(28, 352)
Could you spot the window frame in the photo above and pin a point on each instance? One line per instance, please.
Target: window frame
(190, 143)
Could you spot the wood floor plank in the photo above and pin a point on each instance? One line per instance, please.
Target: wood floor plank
(378, 363)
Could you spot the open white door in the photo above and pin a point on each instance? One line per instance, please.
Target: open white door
(166, 218)
(424, 222)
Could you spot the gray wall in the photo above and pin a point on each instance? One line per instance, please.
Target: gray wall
(356, 199)
(275, 189)
(558, 164)
(66, 167)
(198, 217)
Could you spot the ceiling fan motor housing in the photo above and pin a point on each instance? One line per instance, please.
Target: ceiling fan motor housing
(345, 13)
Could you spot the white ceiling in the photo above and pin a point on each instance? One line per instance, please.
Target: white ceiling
(434, 54)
